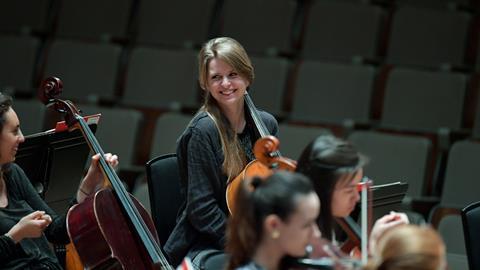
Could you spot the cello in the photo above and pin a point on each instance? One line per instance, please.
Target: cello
(110, 229)
(265, 149)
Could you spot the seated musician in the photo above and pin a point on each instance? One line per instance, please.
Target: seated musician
(409, 247)
(27, 224)
(335, 168)
(277, 218)
(214, 148)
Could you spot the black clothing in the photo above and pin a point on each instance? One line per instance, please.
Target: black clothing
(201, 221)
(29, 253)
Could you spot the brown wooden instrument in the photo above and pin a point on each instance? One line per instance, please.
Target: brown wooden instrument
(110, 229)
(268, 158)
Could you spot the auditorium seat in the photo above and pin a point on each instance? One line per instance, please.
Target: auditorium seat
(174, 23)
(88, 70)
(294, 138)
(168, 128)
(460, 189)
(396, 157)
(461, 186)
(25, 16)
(267, 27)
(92, 19)
(332, 93)
(31, 113)
(163, 181)
(343, 31)
(428, 38)
(19, 57)
(162, 79)
(117, 132)
(438, 4)
(424, 101)
(451, 230)
(270, 84)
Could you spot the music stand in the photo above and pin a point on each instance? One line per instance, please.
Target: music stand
(384, 199)
(54, 161)
(387, 197)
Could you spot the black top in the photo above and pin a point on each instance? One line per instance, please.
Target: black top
(29, 253)
(201, 221)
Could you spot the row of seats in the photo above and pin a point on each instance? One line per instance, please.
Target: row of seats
(393, 156)
(403, 33)
(308, 91)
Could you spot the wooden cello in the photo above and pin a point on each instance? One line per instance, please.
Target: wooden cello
(110, 229)
(266, 153)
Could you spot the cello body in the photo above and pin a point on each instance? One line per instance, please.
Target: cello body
(254, 168)
(100, 217)
(263, 166)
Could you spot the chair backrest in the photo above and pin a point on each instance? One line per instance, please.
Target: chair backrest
(21, 50)
(434, 100)
(162, 79)
(118, 131)
(269, 88)
(471, 223)
(274, 17)
(163, 181)
(415, 29)
(450, 228)
(332, 93)
(106, 19)
(396, 157)
(460, 186)
(88, 70)
(168, 128)
(294, 138)
(342, 31)
(24, 16)
(159, 23)
(33, 114)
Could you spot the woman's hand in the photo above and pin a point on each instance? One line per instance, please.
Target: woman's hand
(94, 179)
(385, 223)
(30, 226)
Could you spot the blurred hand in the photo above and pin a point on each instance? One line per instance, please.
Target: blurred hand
(385, 223)
(30, 226)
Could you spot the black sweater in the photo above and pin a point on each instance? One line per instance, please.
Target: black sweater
(202, 219)
(23, 200)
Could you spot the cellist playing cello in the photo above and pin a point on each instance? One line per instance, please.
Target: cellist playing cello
(214, 148)
(27, 224)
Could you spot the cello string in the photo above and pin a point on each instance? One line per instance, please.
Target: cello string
(262, 129)
(125, 199)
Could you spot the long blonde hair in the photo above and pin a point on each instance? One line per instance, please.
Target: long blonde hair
(233, 53)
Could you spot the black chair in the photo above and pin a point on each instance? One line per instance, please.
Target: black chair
(164, 191)
(163, 180)
(471, 223)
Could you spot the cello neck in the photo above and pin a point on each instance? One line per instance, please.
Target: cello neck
(152, 247)
(257, 120)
